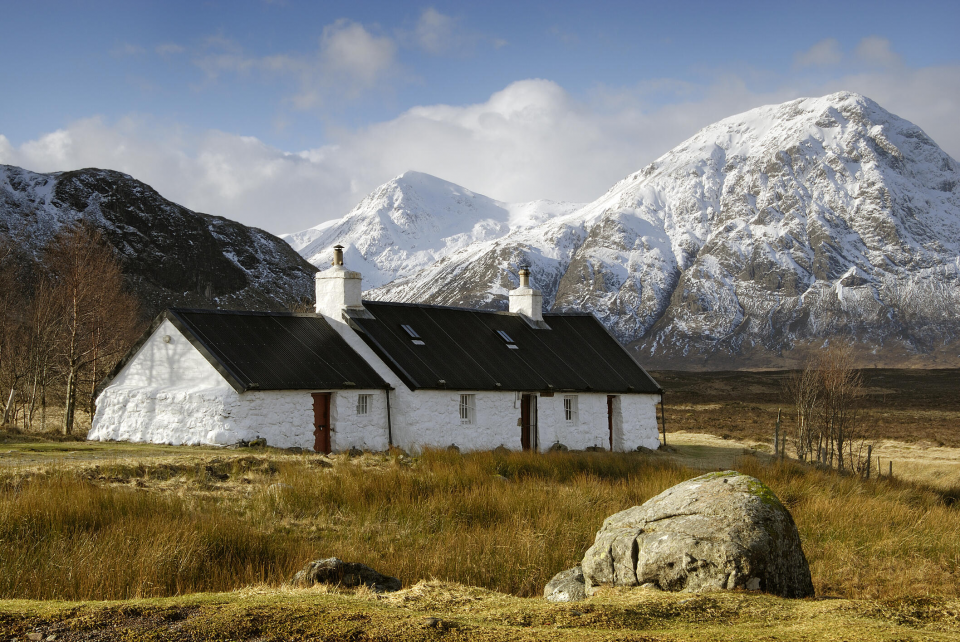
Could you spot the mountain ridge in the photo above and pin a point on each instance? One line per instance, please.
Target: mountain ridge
(751, 243)
(170, 255)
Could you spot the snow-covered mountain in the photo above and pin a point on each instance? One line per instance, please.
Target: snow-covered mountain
(750, 244)
(414, 220)
(171, 256)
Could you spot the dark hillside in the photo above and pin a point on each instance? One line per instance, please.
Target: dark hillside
(171, 255)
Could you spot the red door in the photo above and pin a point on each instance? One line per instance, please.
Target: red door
(321, 422)
(610, 399)
(528, 422)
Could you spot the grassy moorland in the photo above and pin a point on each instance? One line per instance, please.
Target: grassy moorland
(195, 543)
(78, 525)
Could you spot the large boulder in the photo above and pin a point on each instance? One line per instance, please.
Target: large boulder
(717, 531)
(348, 574)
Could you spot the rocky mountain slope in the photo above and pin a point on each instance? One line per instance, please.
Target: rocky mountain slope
(412, 221)
(170, 255)
(750, 244)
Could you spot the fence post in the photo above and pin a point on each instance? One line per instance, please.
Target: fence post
(869, 459)
(890, 474)
(776, 437)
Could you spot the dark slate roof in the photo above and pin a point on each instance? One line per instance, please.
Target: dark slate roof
(268, 350)
(461, 348)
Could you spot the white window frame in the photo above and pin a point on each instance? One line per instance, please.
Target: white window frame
(468, 409)
(363, 404)
(571, 411)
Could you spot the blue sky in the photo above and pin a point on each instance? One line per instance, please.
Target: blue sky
(284, 114)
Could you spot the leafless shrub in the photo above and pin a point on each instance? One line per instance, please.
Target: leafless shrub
(827, 398)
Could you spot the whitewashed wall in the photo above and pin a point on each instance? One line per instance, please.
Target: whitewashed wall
(432, 417)
(169, 393)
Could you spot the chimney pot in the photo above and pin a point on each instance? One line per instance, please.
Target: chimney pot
(524, 276)
(525, 300)
(338, 289)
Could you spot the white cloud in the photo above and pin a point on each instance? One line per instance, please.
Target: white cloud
(825, 53)
(435, 31)
(349, 61)
(530, 140)
(439, 34)
(349, 50)
(874, 50)
(126, 49)
(169, 48)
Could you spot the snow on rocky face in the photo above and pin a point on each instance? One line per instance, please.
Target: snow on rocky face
(412, 221)
(749, 244)
(171, 256)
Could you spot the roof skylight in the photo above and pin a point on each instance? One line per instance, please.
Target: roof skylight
(504, 336)
(410, 331)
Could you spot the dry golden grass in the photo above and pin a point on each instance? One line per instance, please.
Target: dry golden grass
(193, 520)
(444, 610)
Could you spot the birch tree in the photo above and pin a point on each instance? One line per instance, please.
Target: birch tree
(96, 316)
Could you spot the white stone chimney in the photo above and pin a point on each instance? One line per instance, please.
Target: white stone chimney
(525, 300)
(338, 288)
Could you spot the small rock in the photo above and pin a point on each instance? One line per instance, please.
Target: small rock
(501, 450)
(644, 450)
(650, 586)
(558, 448)
(296, 450)
(566, 586)
(259, 442)
(51, 637)
(348, 574)
(431, 622)
(753, 584)
(355, 452)
(34, 636)
(453, 448)
(595, 449)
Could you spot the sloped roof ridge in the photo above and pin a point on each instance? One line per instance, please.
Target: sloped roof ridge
(261, 313)
(463, 309)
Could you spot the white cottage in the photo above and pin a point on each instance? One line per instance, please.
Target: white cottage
(369, 374)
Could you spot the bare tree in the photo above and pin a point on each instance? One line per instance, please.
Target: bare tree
(14, 348)
(44, 331)
(827, 396)
(97, 317)
(804, 389)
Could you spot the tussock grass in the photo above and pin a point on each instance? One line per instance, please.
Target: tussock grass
(502, 521)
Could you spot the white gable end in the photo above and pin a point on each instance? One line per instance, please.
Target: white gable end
(167, 393)
(168, 361)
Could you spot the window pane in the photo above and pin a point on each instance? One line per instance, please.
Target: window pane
(363, 404)
(468, 409)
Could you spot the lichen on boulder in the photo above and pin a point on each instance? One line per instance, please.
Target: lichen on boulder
(721, 530)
